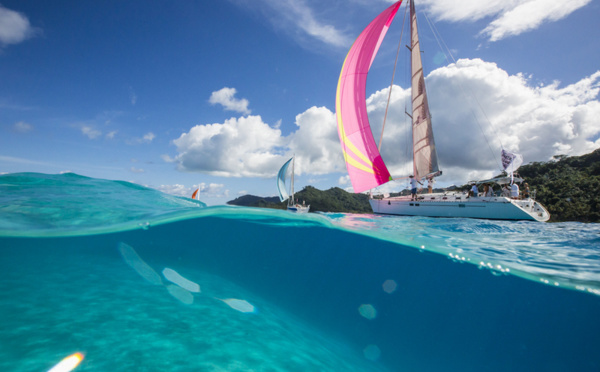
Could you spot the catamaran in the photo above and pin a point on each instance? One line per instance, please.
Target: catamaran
(282, 177)
(365, 165)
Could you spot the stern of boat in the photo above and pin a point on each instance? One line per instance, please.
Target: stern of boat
(533, 208)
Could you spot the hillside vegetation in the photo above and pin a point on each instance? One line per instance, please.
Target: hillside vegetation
(569, 187)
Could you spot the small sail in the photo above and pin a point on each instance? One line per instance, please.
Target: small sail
(195, 194)
(283, 193)
(425, 160)
(363, 160)
(510, 161)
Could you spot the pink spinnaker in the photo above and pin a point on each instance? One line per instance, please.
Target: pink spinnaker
(363, 161)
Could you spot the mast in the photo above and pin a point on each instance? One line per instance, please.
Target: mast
(292, 183)
(425, 161)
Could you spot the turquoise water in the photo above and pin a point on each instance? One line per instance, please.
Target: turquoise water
(137, 280)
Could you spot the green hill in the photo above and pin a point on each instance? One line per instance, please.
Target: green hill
(569, 187)
(332, 200)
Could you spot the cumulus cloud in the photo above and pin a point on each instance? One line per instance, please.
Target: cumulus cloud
(510, 17)
(477, 108)
(14, 27)
(532, 120)
(316, 143)
(226, 98)
(242, 147)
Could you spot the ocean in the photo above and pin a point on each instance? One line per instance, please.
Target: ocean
(137, 280)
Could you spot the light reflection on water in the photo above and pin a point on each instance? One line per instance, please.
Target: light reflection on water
(558, 254)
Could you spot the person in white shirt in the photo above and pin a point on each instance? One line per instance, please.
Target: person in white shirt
(413, 188)
(474, 190)
(514, 191)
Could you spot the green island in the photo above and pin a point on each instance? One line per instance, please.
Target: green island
(568, 186)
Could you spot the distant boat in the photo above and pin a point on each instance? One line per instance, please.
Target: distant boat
(365, 165)
(196, 194)
(286, 190)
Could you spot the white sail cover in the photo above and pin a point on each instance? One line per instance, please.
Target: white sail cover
(425, 160)
(511, 161)
(281, 187)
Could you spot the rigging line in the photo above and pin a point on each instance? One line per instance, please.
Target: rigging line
(392, 83)
(445, 49)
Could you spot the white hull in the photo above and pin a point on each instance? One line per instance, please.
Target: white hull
(458, 205)
(298, 208)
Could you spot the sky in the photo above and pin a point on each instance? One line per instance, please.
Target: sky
(218, 95)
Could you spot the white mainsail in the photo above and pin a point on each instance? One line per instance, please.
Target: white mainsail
(425, 160)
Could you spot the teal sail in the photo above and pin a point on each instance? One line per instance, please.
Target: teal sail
(283, 193)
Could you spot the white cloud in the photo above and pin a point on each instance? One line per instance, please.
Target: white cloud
(112, 134)
(148, 137)
(530, 15)
(23, 127)
(90, 131)
(243, 147)
(316, 143)
(225, 97)
(14, 27)
(248, 147)
(536, 121)
(136, 170)
(510, 17)
(299, 20)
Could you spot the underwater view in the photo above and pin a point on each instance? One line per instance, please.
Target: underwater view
(133, 279)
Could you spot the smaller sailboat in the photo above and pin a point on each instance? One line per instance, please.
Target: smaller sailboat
(196, 194)
(286, 190)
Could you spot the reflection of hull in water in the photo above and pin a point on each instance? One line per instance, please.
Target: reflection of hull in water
(458, 205)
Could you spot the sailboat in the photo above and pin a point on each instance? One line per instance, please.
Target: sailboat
(364, 163)
(282, 186)
(196, 194)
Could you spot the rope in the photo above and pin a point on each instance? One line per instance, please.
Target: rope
(445, 49)
(392, 83)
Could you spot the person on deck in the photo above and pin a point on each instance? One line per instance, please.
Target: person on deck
(413, 188)
(514, 191)
(486, 190)
(506, 191)
(525, 191)
(430, 185)
(474, 190)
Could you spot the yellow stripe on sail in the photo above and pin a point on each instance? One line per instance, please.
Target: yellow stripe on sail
(347, 144)
(351, 161)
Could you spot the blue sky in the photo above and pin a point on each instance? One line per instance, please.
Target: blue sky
(176, 94)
